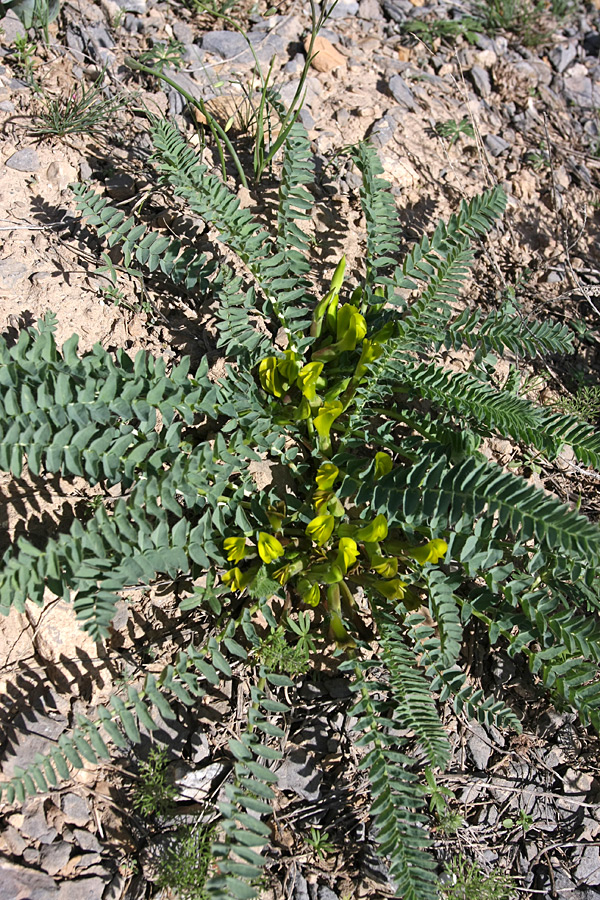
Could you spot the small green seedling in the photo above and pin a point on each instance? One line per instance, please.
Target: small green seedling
(320, 843)
(154, 795)
(523, 820)
(452, 130)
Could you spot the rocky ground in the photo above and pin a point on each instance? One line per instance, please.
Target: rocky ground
(450, 115)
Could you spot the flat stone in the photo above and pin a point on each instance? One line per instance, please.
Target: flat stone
(12, 27)
(75, 810)
(562, 57)
(26, 160)
(481, 80)
(183, 32)
(86, 840)
(19, 883)
(312, 86)
(496, 145)
(14, 841)
(325, 893)
(401, 92)
(195, 784)
(55, 856)
(344, 9)
(120, 186)
(35, 825)
(579, 88)
(224, 44)
(588, 870)
(479, 745)
(299, 774)
(82, 889)
(7, 106)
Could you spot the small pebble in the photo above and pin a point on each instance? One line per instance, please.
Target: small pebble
(26, 160)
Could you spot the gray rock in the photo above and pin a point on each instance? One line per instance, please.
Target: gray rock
(85, 170)
(479, 745)
(481, 80)
(19, 883)
(194, 54)
(312, 86)
(133, 25)
(225, 44)
(383, 131)
(325, 893)
(11, 273)
(75, 810)
(294, 66)
(54, 856)
(401, 92)
(496, 145)
(299, 774)
(562, 57)
(133, 6)
(588, 870)
(14, 841)
(35, 825)
(579, 88)
(82, 889)
(306, 119)
(75, 42)
(300, 887)
(266, 47)
(183, 32)
(13, 28)
(7, 106)
(369, 10)
(86, 840)
(344, 9)
(120, 186)
(26, 160)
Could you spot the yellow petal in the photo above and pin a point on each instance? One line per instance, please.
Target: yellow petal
(235, 548)
(320, 529)
(347, 553)
(269, 548)
(326, 476)
(383, 464)
(307, 379)
(376, 530)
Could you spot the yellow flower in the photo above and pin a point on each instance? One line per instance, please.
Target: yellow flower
(375, 531)
(310, 593)
(431, 552)
(235, 548)
(383, 464)
(347, 553)
(324, 420)
(394, 589)
(269, 548)
(270, 377)
(386, 566)
(236, 579)
(307, 379)
(351, 327)
(327, 475)
(320, 528)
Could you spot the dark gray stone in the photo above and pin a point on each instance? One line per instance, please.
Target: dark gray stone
(588, 870)
(82, 889)
(312, 87)
(300, 887)
(120, 186)
(224, 44)
(55, 856)
(370, 10)
(496, 145)
(325, 893)
(580, 89)
(86, 840)
(299, 774)
(294, 66)
(13, 839)
(479, 745)
(17, 881)
(481, 80)
(35, 825)
(133, 25)
(75, 810)
(26, 160)
(266, 47)
(401, 92)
